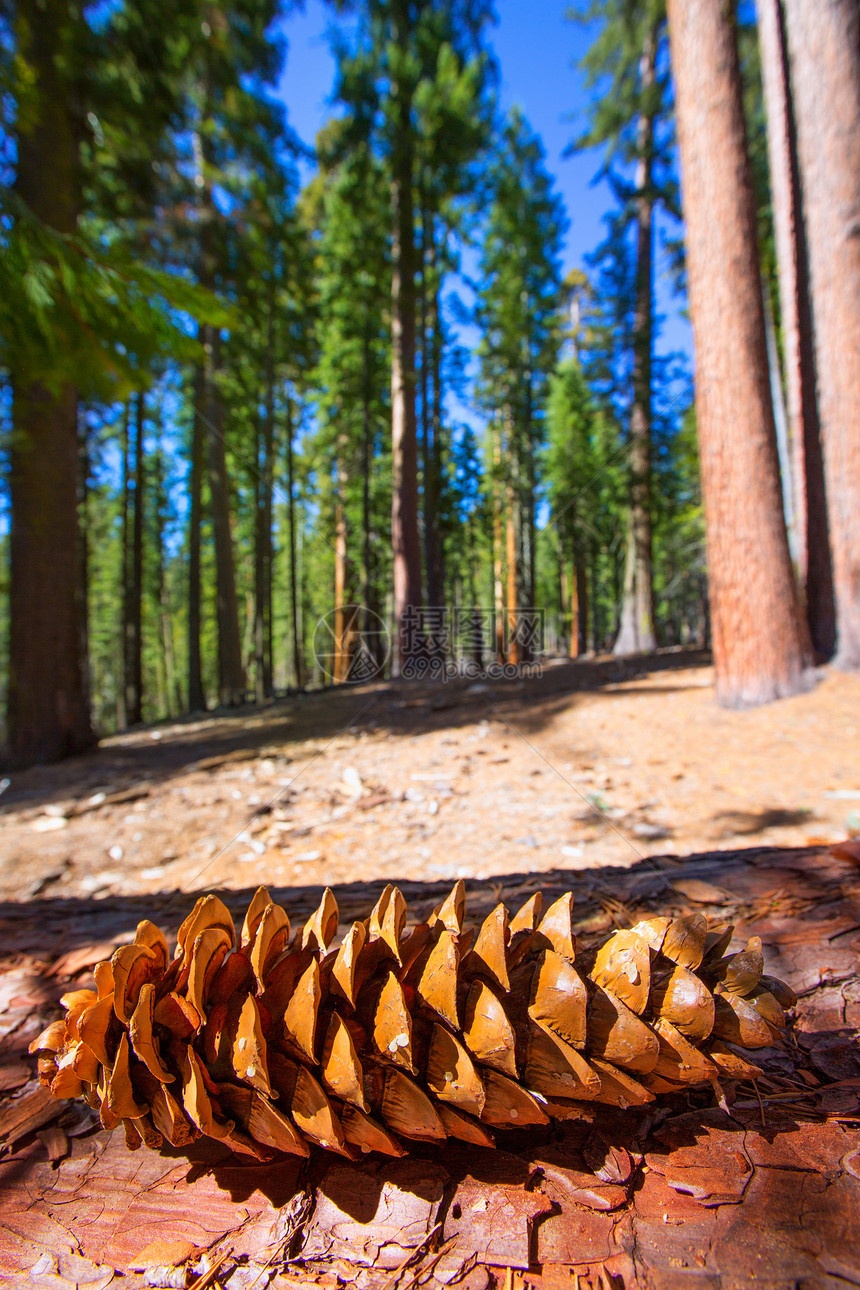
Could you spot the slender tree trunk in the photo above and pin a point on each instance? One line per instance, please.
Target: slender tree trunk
(171, 680)
(512, 563)
(231, 673)
(343, 609)
(259, 569)
(439, 445)
(580, 577)
(431, 411)
(48, 711)
(405, 540)
(368, 590)
(780, 421)
(636, 634)
(428, 513)
(824, 45)
(596, 609)
(84, 545)
(760, 650)
(529, 529)
(196, 694)
(498, 549)
(263, 487)
(134, 621)
(124, 588)
(572, 606)
(810, 509)
(298, 658)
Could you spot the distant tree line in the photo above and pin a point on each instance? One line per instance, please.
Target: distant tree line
(234, 406)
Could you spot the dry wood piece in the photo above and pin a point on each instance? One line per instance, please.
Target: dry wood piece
(272, 1045)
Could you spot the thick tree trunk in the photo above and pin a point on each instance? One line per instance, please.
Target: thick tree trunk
(231, 673)
(48, 712)
(405, 541)
(134, 620)
(196, 693)
(824, 45)
(759, 644)
(810, 506)
(636, 633)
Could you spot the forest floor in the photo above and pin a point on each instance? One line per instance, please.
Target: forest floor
(600, 777)
(595, 763)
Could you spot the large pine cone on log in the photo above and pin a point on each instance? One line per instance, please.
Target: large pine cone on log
(278, 1045)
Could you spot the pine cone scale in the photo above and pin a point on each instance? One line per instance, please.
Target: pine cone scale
(276, 1044)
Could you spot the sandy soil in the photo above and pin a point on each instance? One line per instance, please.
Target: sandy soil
(594, 763)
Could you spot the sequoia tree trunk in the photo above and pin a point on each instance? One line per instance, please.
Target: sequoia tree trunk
(810, 505)
(824, 47)
(760, 650)
(48, 711)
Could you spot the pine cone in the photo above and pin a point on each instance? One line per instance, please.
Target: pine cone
(438, 1032)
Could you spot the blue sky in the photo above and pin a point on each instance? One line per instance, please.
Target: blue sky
(536, 49)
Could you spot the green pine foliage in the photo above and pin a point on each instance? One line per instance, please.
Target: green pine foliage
(198, 272)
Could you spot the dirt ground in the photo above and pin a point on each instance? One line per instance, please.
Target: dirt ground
(592, 764)
(592, 778)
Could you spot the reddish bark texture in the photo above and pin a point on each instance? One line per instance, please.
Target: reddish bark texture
(813, 546)
(824, 47)
(759, 645)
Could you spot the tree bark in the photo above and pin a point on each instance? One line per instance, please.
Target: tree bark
(231, 673)
(405, 540)
(48, 712)
(810, 505)
(196, 693)
(259, 568)
(498, 548)
(83, 590)
(298, 659)
(134, 619)
(824, 47)
(369, 594)
(579, 646)
(438, 569)
(263, 550)
(344, 610)
(124, 588)
(636, 633)
(172, 692)
(760, 651)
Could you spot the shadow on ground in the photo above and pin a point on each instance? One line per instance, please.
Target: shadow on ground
(152, 754)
